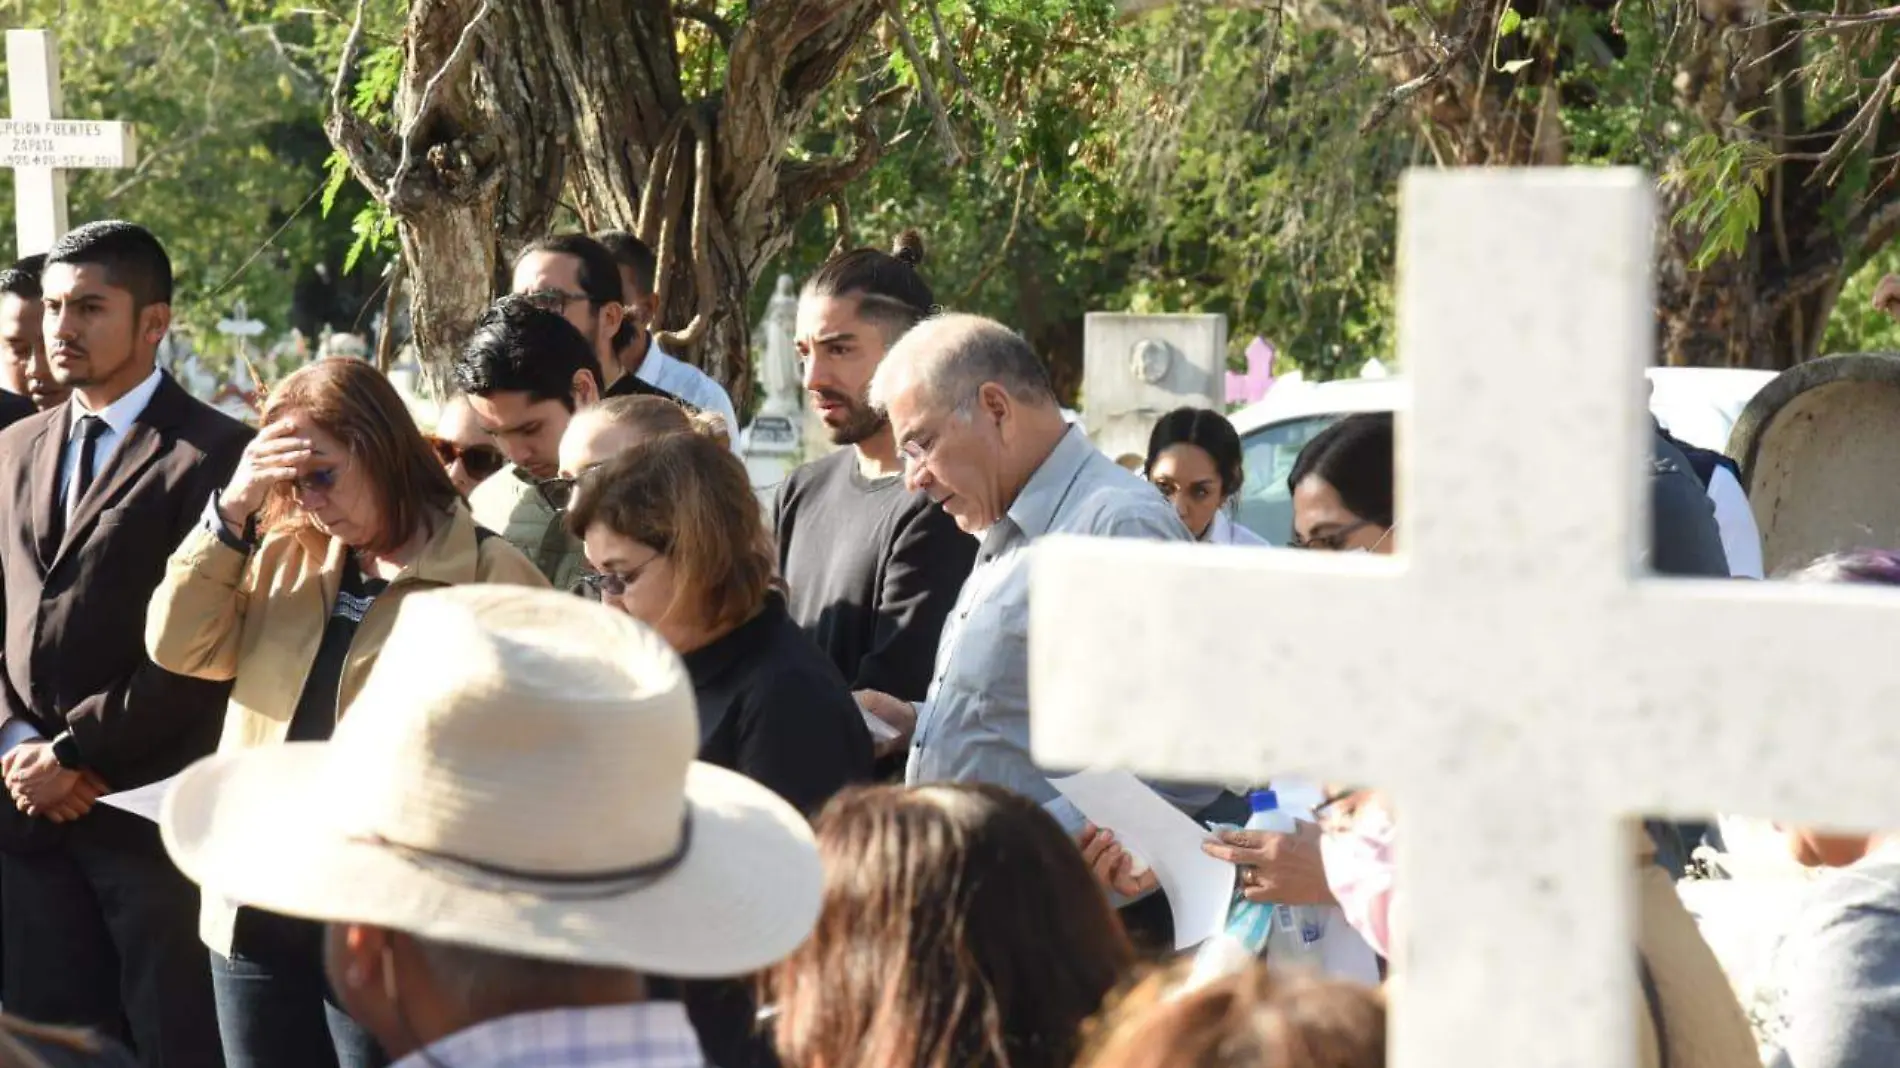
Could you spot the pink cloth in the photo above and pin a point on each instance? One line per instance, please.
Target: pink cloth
(1359, 869)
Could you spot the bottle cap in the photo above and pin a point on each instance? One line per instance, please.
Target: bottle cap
(1263, 801)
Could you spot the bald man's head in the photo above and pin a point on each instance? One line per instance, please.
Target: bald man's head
(953, 356)
(973, 413)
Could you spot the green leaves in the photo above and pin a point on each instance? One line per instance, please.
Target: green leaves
(227, 99)
(1725, 182)
(373, 227)
(1509, 23)
(377, 79)
(337, 167)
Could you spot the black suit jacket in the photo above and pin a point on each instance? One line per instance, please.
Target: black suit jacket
(74, 652)
(13, 408)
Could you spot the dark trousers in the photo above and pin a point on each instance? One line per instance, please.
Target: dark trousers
(101, 931)
(280, 1015)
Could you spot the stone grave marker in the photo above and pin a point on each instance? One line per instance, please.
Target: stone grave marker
(39, 146)
(771, 442)
(1136, 368)
(1510, 678)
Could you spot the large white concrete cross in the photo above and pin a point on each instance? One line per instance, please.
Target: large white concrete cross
(40, 148)
(1509, 678)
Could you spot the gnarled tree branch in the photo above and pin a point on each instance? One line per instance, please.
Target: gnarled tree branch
(927, 84)
(360, 143)
(426, 104)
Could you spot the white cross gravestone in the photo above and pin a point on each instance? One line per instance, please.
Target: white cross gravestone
(39, 147)
(1510, 678)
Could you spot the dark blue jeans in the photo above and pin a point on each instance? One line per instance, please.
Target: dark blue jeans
(276, 1011)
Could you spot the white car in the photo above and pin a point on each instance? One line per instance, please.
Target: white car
(1697, 404)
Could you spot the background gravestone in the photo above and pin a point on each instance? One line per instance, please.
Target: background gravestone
(1818, 448)
(772, 442)
(1135, 368)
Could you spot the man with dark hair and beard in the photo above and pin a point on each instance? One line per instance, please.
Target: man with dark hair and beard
(874, 569)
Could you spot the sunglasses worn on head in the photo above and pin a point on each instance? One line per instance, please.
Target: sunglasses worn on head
(480, 460)
(559, 491)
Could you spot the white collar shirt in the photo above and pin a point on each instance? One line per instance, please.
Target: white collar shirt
(119, 417)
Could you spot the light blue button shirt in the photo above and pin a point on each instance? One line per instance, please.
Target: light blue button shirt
(663, 370)
(974, 724)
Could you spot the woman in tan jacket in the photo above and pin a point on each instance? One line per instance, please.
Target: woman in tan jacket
(338, 510)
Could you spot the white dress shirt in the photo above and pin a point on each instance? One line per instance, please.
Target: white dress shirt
(1741, 537)
(119, 417)
(689, 384)
(1224, 531)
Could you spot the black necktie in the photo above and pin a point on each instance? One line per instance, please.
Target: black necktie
(90, 429)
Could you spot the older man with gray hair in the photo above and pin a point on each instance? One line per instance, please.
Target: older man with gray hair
(981, 432)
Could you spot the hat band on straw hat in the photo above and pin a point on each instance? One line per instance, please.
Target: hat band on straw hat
(576, 885)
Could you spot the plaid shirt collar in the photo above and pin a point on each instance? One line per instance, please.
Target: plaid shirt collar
(649, 1035)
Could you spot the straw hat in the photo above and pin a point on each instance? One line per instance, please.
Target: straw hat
(517, 774)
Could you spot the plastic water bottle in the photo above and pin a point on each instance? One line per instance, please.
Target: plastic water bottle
(1290, 934)
(1293, 937)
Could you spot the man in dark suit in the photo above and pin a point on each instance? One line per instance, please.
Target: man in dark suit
(21, 344)
(100, 929)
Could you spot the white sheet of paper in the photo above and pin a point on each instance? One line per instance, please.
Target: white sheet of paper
(880, 730)
(143, 801)
(1199, 888)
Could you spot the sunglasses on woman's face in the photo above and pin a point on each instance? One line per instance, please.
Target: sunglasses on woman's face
(480, 460)
(319, 481)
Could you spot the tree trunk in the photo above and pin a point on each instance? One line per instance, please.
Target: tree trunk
(586, 96)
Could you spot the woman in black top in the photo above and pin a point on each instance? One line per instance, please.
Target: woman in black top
(675, 539)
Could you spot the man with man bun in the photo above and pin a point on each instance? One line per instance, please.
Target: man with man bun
(874, 567)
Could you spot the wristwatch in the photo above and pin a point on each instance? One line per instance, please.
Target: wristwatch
(66, 751)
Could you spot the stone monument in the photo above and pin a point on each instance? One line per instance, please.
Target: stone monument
(1135, 368)
(770, 444)
(1510, 678)
(1817, 448)
(39, 147)
(240, 397)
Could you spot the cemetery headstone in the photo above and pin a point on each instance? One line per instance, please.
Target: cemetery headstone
(1136, 368)
(771, 444)
(1816, 447)
(1509, 678)
(39, 146)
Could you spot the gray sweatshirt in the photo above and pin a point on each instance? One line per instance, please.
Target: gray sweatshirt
(1839, 969)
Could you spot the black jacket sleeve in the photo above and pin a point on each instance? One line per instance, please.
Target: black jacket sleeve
(1684, 537)
(930, 558)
